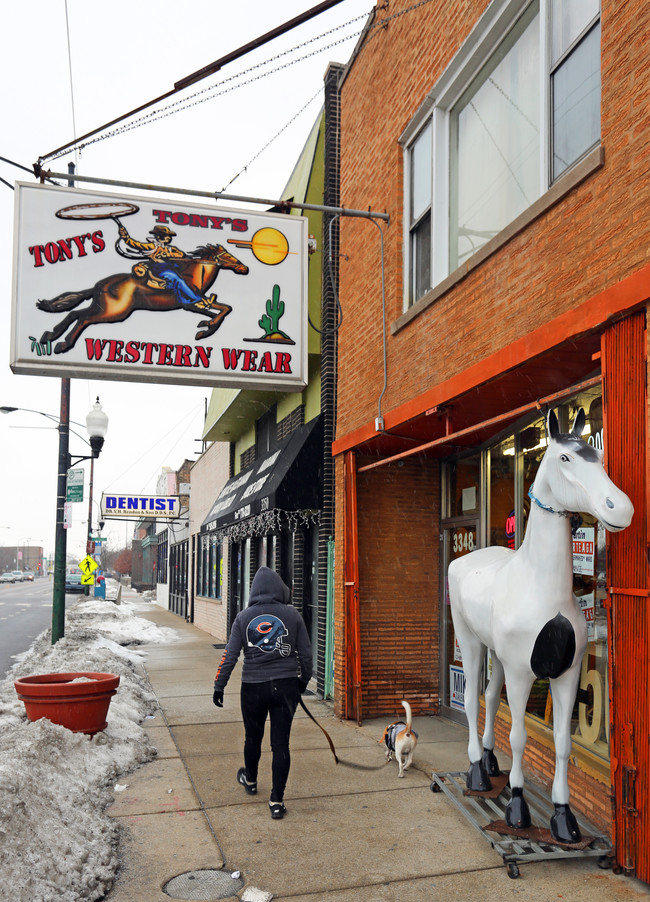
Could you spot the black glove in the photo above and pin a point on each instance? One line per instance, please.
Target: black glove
(217, 698)
(302, 685)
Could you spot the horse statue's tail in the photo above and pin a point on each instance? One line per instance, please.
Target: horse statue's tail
(67, 301)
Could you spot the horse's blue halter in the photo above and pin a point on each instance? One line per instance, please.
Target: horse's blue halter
(545, 507)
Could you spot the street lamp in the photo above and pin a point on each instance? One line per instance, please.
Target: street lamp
(97, 425)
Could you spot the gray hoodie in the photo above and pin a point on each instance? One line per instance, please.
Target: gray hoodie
(272, 634)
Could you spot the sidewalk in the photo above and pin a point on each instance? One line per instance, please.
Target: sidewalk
(348, 836)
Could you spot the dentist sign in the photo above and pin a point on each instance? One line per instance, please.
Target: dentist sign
(140, 507)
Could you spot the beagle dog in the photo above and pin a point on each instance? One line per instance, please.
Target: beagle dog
(401, 739)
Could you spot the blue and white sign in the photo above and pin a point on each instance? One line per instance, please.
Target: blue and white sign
(456, 688)
(145, 507)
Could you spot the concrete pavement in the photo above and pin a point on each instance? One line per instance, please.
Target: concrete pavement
(348, 836)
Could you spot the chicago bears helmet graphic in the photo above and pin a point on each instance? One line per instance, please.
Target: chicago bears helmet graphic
(266, 632)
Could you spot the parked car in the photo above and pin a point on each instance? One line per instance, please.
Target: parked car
(18, 575)
(7, 577)
(73, 582)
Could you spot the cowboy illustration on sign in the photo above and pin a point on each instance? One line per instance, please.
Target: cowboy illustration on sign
(162, 267)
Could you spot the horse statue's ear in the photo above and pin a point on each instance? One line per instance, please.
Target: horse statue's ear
(552, 426)
(579, 423)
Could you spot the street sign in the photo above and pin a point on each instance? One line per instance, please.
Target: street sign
(87, 566)
(87, 579)
(75, 485)
(67, 515)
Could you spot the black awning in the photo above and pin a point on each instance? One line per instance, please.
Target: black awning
(288, 477)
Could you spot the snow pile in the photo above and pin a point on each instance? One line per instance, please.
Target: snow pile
(56, 840)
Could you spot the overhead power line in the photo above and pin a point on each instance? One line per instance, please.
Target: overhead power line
(205, 71)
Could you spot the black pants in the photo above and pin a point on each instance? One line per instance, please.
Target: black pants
(277, 699)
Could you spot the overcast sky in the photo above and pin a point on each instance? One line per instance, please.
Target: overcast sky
(68, 68)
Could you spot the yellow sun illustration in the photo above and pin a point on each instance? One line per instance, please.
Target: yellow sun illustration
(269, 246)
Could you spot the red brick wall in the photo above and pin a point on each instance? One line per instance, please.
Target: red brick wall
(398, 589)
(592, 239)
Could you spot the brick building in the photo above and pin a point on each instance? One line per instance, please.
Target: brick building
(511, 154)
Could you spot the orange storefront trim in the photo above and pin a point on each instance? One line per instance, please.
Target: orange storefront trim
(589, 315)
(352, 638)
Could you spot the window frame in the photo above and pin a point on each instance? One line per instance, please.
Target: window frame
(210, 563)
(498, 21)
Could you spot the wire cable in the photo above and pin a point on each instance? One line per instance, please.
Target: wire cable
(268, 143)
(67, 32)
(172, 109)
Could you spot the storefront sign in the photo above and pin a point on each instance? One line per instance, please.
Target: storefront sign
(145, 507)
(583, 551)
(114, 287)
(586, 603)
(456, 688)
(511, 524)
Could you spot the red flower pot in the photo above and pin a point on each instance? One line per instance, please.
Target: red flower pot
(80, 706)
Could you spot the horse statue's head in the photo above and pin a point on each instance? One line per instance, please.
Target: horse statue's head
(571, 477)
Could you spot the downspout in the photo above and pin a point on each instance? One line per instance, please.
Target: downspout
(379, 422)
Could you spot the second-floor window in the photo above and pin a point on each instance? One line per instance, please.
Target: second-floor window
(514, 110)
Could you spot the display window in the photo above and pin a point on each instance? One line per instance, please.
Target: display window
(486, 503)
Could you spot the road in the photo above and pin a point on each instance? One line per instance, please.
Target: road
(25, 611)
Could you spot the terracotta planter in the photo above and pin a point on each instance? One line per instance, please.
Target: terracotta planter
(81, 707)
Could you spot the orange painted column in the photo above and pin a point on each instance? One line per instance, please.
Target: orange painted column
(624, 361)
(353, 708)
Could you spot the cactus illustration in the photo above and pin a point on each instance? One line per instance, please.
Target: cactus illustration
(274, 312)
(41, 347)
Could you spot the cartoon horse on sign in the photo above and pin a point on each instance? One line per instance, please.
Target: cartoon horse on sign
(520, 604)
(116, 297)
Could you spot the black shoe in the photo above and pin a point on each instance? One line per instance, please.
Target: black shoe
(251, 788)
(278, 810)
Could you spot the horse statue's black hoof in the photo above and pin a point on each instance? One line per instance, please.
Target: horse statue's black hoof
(490, 763)
(477, 778)
(517, 813)
(564, 826)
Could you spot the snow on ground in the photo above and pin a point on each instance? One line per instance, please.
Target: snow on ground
(57, 843)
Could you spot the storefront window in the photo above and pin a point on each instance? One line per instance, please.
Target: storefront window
(210, 567)
(510, 469)
(464, 479)
(502, 494)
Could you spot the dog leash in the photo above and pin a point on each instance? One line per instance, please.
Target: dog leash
(329, 739)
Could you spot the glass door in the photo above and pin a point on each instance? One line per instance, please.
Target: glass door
(459, 538)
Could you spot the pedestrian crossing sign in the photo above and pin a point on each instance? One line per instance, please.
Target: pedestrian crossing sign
(87, 566)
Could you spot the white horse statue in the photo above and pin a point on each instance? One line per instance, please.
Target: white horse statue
(520, 604)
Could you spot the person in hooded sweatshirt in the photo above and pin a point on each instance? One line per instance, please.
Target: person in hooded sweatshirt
(277, 668)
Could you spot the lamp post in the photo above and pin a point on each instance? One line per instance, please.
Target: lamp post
(97, 425)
